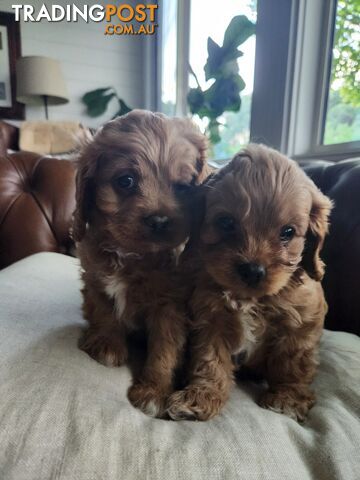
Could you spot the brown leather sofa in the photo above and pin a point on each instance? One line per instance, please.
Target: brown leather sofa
(341, 182)
(9, 137)
(37, 198)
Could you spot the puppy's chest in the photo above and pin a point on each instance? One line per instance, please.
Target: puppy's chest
(133, 295)
(252, 327)
(116, 290)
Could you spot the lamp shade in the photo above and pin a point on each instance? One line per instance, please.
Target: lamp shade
(37, 77)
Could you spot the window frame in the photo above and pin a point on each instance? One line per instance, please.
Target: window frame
(153, 61)
(292, 118)
(315, 27)
(294, 41)
(273, 74)
(183, 60)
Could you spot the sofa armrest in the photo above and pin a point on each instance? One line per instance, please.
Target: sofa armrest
(9, 137)
(37, 200)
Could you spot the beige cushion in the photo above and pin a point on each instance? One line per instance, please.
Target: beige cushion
(63, 416)
(50, 137)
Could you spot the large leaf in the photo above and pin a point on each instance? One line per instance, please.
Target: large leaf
(214, 60)
(96, 101)
(221, 64)
(99, 105)
(91, 96)
(240, 82)
(124, 108)
(213, 131)
(224, 94)
(240, 29)
(207, 111)
(230, 68)
(195, 99)
(221, 67)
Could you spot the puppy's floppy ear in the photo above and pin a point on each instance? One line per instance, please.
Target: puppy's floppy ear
(202, 166)
(315, 235)
(85, 190)
(192, 132)
(209, 234)
(207, 231)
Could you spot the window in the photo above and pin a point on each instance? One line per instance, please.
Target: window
(186, 27)
(302, 75)
(342, 120)
(169, 47)
(212, 21)
(323, 101)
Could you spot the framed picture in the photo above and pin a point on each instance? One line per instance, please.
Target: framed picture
(10, 51)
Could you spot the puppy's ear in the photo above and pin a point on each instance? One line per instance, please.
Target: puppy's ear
(203, 168)
(207, 231)
(317, 230)
(85, 191)
(192, 132)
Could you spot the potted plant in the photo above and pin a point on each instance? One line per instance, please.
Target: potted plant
(221, 66)
(97, 101)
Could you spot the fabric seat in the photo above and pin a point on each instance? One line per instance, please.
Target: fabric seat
(64, 416)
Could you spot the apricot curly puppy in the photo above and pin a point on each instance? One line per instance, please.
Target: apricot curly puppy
(134, 188)
(258, 294)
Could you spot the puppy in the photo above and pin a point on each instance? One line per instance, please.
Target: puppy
(134, 188)
(258, 297)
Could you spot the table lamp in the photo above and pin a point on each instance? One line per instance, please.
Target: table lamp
(39, 80)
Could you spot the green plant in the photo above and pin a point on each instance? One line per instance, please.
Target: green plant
(97, 101)
(342, 120)
(221, 65)
(346, 57)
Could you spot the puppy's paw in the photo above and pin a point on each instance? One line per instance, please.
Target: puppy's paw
(107, 351)
(148, 398)
(293, 401)
(195, 402)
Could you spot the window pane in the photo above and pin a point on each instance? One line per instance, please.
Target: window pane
(169, 45)
(212, 21)
(342, 123)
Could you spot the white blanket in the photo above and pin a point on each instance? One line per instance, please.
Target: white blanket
(63, 416)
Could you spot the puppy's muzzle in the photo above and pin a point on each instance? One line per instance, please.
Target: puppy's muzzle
(157, 223)
(251, 273)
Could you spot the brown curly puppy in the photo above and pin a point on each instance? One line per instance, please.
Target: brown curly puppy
(134, 188)
(258, 295)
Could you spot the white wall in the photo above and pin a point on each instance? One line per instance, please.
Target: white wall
(89, 60)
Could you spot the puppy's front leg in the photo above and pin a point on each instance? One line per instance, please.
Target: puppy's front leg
(290, 368)
(105, 339)
(166, 339)
(211, 368)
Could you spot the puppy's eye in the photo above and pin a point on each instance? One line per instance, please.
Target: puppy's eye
(226, 223)
(287, 233)
(125, 182)
(182, 188)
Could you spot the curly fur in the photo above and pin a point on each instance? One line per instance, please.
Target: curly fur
(272, 328)
(128, 269)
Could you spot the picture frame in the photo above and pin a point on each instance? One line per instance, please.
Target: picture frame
(10, 51)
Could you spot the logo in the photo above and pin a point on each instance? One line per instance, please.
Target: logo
(122, 19)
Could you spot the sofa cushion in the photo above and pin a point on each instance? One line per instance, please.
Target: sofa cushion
(37, 199)
(341, 182)
(45, 137)
(63, 416)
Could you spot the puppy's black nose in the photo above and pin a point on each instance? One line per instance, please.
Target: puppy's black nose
(157, 223)
(251, 273)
